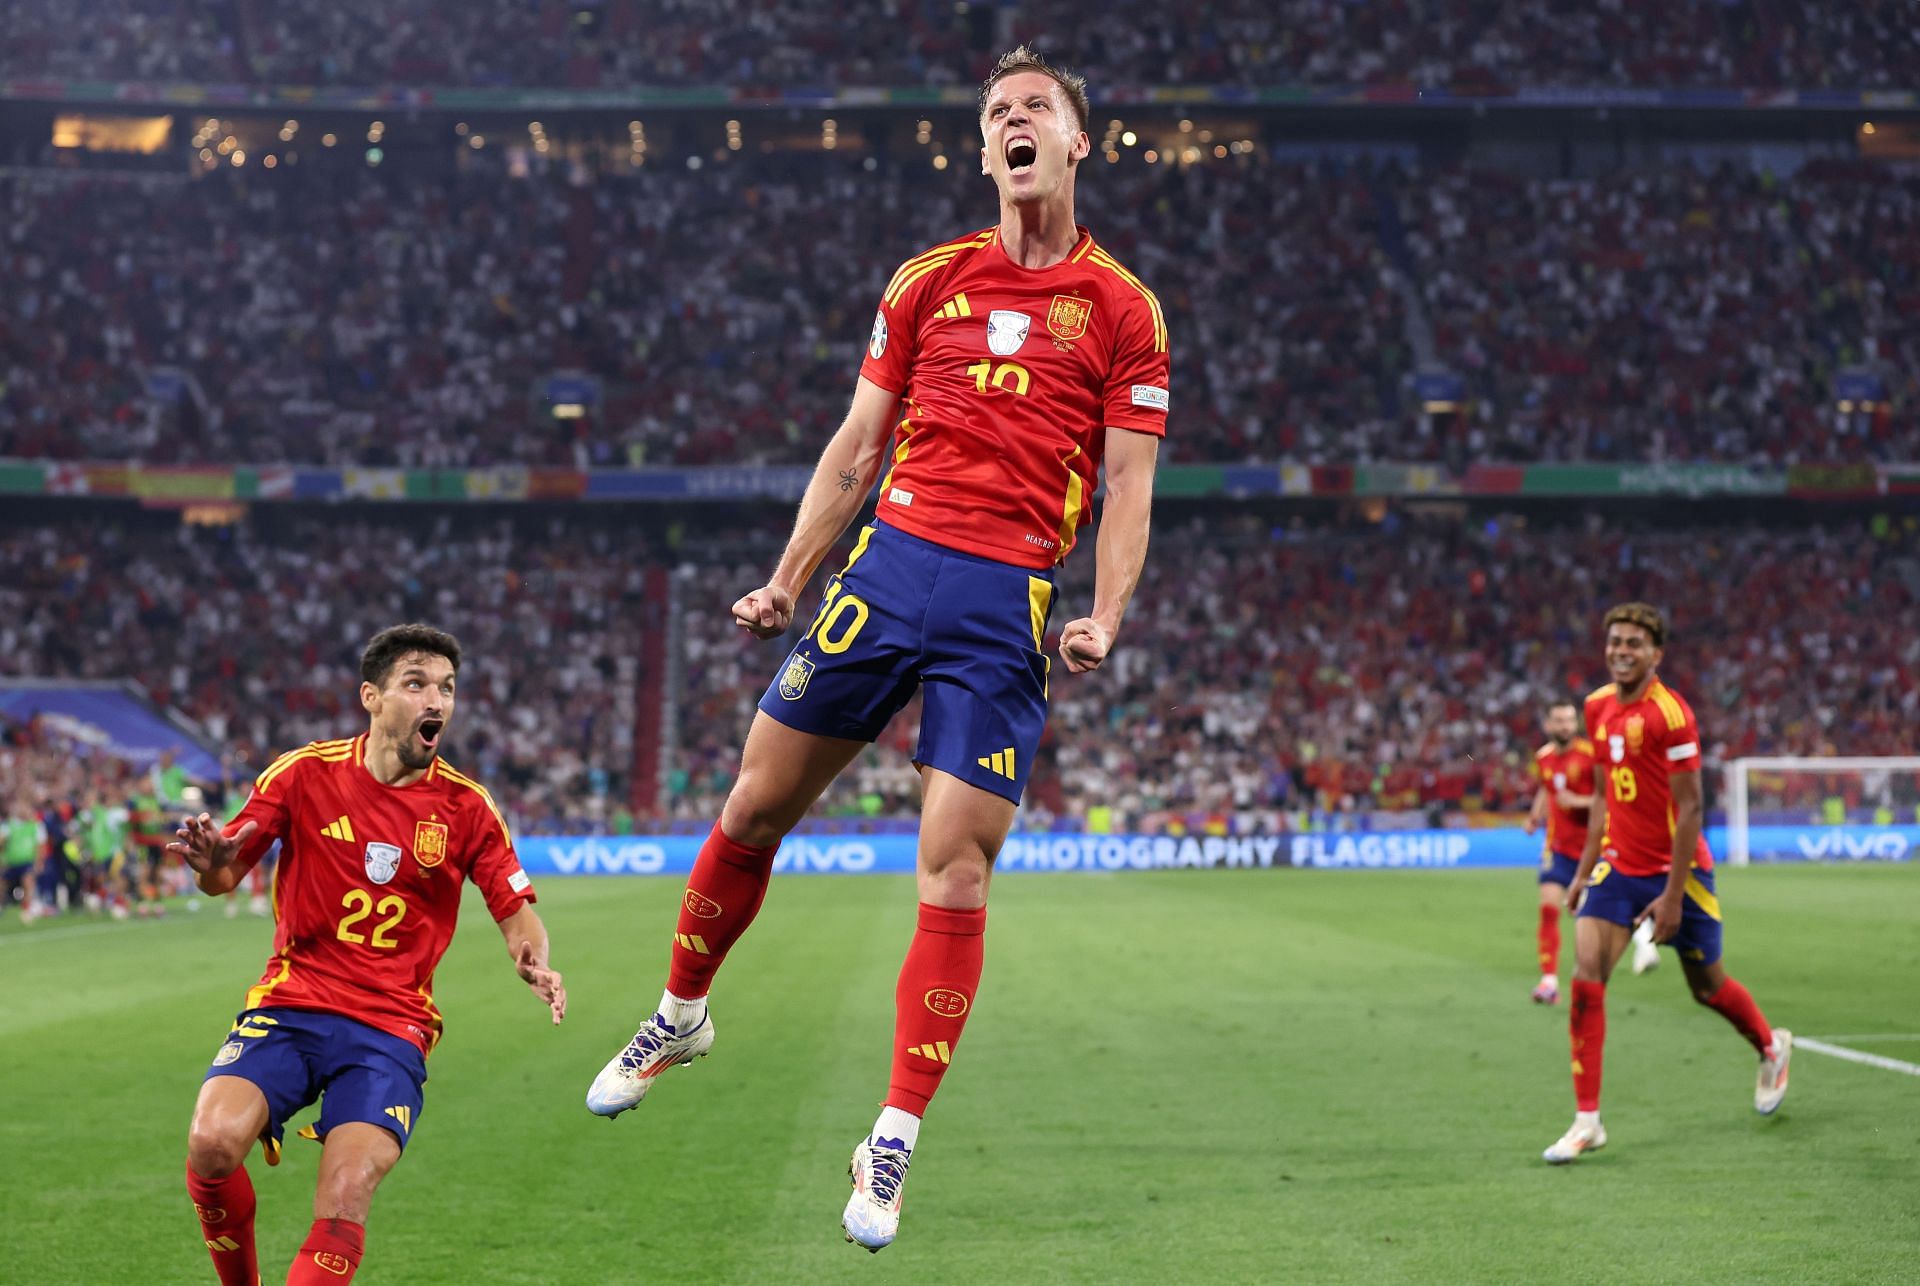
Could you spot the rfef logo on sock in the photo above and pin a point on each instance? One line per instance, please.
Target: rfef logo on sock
(699, 904)
(335, 1264)
(946, 1002)
(209, 1214)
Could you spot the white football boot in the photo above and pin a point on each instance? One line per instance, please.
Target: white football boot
(1771, 1087)
(1548, 992)
(627, 1077)
(1646, 956)
(1584, 1136)
(879, 1172)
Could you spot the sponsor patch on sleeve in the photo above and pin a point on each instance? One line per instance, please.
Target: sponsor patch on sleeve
(1687, 751)
(1148, 395)
(518, 881)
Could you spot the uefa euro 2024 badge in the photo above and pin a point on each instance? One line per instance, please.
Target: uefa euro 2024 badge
(382, 861)
(1006, 331)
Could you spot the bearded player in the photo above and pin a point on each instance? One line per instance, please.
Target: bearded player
(377, 835)
(1004, 367)
(1565, 765)
(1645, 859)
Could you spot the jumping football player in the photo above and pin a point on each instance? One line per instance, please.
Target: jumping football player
(1646, 859)
(1005, 368)
(377, 835)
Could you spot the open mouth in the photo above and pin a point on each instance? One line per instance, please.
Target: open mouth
(430, 730)
(1021, 154)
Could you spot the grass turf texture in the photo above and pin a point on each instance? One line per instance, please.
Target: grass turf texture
(1177, 1076)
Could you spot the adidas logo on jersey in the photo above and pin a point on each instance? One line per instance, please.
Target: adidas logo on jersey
(939, 1051)
(955, 307)
(404, 1115)
(1000, 761)
(341, 830)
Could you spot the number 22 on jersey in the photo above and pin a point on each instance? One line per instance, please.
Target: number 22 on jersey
(360, 905)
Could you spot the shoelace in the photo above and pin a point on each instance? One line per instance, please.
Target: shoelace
(646, 1042)
(889, 1171)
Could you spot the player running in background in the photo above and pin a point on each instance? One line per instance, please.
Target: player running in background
(1646, 859)
(1005, 367)
(1565, 767)
(377, 834)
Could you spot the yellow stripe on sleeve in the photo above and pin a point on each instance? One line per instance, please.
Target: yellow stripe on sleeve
(1112, 265)
(464, 780)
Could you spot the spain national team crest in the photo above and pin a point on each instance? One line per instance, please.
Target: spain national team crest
(1006, 331)
(430, 843)
(793, 680)
(228, 1053)
(1636, 732)
(383, 860)
(1067, 317)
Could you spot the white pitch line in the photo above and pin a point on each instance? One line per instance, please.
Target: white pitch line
(1877, 1036)
(1855, 1056)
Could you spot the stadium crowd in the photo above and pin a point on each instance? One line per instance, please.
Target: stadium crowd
(1268, 676)
(1465, 44)
(1274, 675)
(400, 322)
(255, 634)
(383, 319)
(1673, 314)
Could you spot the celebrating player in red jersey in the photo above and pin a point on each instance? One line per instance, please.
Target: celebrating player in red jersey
(377, 835)
(1646, 859)
(1005, 367)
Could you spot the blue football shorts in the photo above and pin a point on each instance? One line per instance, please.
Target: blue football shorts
(907, 614)
(1619, 898)
(357, 1072)
(1557, 868)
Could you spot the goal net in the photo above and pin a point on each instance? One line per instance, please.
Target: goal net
(1822, 810)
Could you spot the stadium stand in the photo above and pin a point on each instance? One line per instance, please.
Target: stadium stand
(597, 43)
(386, 318)
(1407, 677)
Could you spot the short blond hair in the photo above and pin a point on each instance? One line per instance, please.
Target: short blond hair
(1024, 58)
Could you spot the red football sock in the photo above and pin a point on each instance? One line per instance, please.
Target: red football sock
(331, 1253)
(1549, 939)
(1587, 1024)
(932, 1000)
(724, 893)
(225, 1207)
(1735, 1004)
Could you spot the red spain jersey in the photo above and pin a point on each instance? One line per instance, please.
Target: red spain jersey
(1009, 378)
(368, 886)
(1640, 746)
(1569, 769)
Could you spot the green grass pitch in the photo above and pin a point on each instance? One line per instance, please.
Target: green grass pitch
(1170, 1077)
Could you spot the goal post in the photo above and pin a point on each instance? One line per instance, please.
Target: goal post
(1810, 809)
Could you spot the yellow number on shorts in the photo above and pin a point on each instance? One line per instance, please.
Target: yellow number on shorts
(845, 612)
(360, 905)
(1626, 787)
(1601, 871)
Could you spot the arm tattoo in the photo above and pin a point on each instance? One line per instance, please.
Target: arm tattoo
(849, 479)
